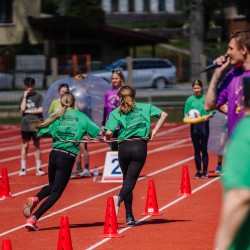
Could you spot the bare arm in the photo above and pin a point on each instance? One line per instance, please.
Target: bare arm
(23, 103)
(159, 124)
(211, 95)
(236, 205)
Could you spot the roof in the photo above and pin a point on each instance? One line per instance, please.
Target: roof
(60, 26)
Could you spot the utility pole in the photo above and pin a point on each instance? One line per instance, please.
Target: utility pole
(196, 38)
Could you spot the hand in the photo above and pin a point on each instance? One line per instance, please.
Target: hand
(223, 61)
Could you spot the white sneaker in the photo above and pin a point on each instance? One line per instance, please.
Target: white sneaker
(85, 173)
(40, 172)
(22, 172)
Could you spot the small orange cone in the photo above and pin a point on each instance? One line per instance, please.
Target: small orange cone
(185, 188)
(110, 225)
(5, 188)
(151, 207)
(6, 245)
(64, 240)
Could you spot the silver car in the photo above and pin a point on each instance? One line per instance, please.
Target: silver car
(146, 72)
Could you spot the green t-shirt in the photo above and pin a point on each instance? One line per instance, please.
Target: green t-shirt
(134, 124)
(73, 125)
(194, 102)
(237, 174)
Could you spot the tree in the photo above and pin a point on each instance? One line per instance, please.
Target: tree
(196, 37)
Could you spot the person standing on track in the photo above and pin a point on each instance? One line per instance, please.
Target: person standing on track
(66, 124)
(134, 121)
(234, 227)
(30, 106)
(230, 90)
(112, 101)
(199, 131)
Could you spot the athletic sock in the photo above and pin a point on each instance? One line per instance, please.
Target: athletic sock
(23, 164)
(86, 166)
(38, 164)
(78, 166)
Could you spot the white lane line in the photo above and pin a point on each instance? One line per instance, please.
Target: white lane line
(148, 216)
(101, 194)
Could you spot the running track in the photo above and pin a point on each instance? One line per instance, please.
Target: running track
(187, 223)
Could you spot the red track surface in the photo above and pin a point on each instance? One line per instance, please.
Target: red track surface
(186, 223)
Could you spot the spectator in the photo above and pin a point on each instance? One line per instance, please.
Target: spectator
(30, 106)
(199, 131)
(112, 101)
(230, 90)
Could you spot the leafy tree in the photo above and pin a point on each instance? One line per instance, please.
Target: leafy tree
(88, 10)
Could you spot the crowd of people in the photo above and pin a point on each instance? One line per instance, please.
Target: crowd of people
(123, 118)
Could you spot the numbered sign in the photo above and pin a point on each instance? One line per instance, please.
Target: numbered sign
(112, 171)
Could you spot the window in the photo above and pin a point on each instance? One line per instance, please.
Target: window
(6, 15)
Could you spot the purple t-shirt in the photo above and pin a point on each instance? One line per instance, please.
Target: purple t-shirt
(111, 101)
(231, 91)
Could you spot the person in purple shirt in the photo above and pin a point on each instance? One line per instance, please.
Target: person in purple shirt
(230, 90)
(112, 101)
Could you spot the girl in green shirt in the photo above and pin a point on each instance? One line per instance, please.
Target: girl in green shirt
(65, 125)
(134, 121)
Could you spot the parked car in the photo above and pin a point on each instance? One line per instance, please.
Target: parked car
(146, 72)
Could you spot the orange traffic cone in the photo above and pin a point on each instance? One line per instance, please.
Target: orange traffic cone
(185, 188)
(110, 225)
(6, 245)
(5, 188)
(64, 240)
(151, 207)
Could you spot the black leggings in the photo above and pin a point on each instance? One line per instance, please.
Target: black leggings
(132, 156)
(59, 171)
(199, 134)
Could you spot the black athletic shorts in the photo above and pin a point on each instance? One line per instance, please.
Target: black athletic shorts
(27, 135)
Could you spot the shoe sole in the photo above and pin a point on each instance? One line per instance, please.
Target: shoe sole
(27, 209)
(31, 227)
(40, 174)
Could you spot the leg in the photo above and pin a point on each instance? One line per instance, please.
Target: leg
(132, 156)
(39, 171)
(24, 150)
(59, 175)
(196, 144)
(204, 143)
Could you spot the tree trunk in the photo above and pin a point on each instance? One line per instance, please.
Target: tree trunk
(196, 38)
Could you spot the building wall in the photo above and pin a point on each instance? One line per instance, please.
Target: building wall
(12, 33)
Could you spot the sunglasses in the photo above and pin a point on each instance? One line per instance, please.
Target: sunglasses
(116, 71)
(239, 32)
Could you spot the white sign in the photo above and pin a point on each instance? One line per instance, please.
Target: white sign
(112, 171)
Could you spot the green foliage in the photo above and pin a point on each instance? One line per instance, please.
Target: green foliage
(50, 6)
(86, 10)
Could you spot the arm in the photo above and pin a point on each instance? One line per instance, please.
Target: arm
(159, 124)
(23, 103)
(235, 208)
(211, 95)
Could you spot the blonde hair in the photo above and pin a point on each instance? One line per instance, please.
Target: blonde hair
(67, 101)
(242, 39)
(127, 98)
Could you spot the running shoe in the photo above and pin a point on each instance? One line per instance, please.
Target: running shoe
(30, 204)
(130, 220)
(40, 172)
(85, 173)
(204, 175)
(218, 169)
(75, 173)
(116, 203)
(197, 175)
(31, 224)
(22, 172)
